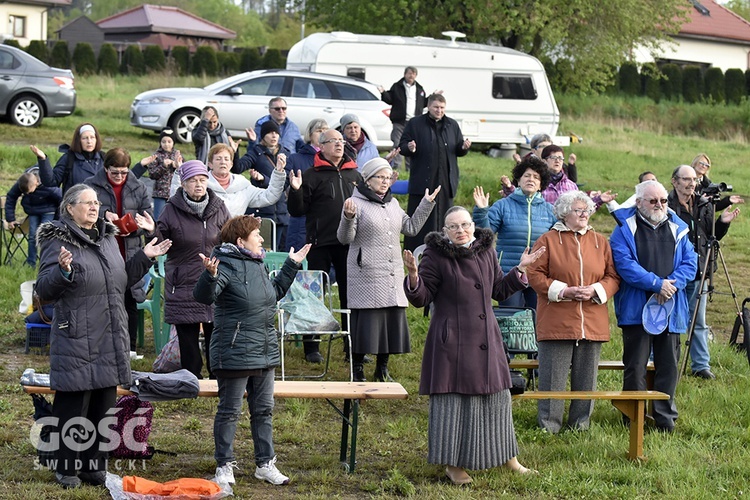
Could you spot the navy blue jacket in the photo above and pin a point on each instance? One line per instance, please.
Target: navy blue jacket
(43, 200)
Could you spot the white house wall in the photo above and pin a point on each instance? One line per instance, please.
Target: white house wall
(716, 54)
(36, 21)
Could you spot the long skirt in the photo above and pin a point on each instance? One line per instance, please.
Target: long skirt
(471, 432)
(380, 331)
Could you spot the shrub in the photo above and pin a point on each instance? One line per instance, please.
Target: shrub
(228, 62)
(650, 78)
(153, 58)
(204, 61)
(60, 57)
(132, 61)
(747, 82)
(181, 59)
(564, 71)
(671, 84)
(107, 60)
(713, 84)
(38, 49)
(84, 60)
(12, 42)
(692, 84)
(630, 81)
(250, 59)
(734, 85)
(273, 59)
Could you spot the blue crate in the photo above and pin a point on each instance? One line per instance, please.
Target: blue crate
(37, 337)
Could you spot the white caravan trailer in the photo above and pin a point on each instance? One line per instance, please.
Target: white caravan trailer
(496, 94)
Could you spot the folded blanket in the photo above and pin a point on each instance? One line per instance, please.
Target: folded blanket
(180, 384)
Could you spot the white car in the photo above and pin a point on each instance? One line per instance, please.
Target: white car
(242, 99)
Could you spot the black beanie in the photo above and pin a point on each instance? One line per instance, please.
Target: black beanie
(167, 132)
(267, 128)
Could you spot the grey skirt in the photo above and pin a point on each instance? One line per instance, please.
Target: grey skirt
(380, 331)
(471, 432)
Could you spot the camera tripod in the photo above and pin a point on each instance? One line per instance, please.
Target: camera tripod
(707, 275)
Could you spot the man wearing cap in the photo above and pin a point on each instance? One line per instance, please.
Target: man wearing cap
(697, 213)
(434, 142)
(655, 260)
(319, 193)
(407, 100)
(364, 150)
(290, 136)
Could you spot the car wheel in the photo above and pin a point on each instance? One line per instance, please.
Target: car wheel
(184, 123)
(26, 111)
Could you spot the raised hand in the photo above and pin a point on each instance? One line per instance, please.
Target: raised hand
(210, 263)
(529, 258)
(350, 209)
(295, 180)
(145, 222)
(411, 268)
(300, 254)
(256, 176)
(431, 197)
(736, 199)
(390, 156)
(149, 159)
(572, 159)
(505, 181)
(250, 133)
(235, 145)
(729, 215)
(65, 259)
(154, 249)
(481, 200)
(280, 162)
(38, 152)
(607, 196)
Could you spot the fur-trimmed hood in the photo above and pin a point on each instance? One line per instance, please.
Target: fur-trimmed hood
(66, 231)
(485, 239)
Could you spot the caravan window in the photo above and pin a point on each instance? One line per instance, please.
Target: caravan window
(356, 72)
(353, 93)
(309, 88)
(271, 86)
(513, 87)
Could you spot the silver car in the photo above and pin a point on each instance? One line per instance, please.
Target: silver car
(242, 99)
(31, 90)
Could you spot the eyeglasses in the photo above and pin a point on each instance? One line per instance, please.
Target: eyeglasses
(118, 173)
(381, 178)
(654, 201)
(707, 165)
(455, 227)
(580, 212)
(556, 158)
(279, 108)
(335, 141)
(689, 180)
(92, 203)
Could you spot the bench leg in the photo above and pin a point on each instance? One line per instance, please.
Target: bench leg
(635, 411)
(350, 410)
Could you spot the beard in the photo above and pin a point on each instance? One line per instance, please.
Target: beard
(654, 217)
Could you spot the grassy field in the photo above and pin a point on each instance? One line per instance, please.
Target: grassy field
(706, 457)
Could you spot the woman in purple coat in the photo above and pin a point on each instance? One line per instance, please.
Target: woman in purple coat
(464, 370)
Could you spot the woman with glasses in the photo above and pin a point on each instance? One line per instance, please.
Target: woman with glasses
(82, 270)
(122, 196)
(574, 280)
(702, 164)
(464, 368)
(192, 218)
(371, 224)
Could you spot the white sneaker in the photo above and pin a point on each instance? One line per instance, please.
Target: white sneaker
(135, 355)
(225, 474)
(270, 473)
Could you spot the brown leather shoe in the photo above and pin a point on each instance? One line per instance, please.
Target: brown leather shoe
(457, 475)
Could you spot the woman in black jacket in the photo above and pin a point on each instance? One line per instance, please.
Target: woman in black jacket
(244, 344)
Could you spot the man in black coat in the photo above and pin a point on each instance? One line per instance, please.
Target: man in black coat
(407, 100)
(434, 142)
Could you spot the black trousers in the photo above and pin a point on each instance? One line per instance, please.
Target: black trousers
(191, 357)
(321, 259)
(636, 348)
(78, 452)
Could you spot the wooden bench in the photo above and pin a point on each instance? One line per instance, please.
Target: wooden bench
(533, 364)
(630, 403)
(351, 392)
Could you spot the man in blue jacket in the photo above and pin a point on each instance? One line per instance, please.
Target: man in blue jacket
(654, 256)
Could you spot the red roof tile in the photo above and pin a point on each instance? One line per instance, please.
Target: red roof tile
(163, 19)
(722, 23)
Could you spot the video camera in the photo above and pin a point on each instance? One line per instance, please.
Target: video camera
(714, 189)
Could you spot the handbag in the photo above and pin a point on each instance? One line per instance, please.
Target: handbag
(168, 360)
(518, 382)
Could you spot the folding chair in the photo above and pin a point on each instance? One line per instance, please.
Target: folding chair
(15, 240)
(268, 233)
(307, 285)
(518, 327)
(275, 260)
(154, 306)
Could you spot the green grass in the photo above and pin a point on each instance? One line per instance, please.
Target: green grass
(706, 457)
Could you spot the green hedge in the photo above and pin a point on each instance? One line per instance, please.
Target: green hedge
(630, 81)
(84, 60)
(692, 84)
(713, 85)
(181, 59)
(38, 49)
(671, 84)
(250, 59)
(132, 61)
(60, 57)
(204, 61)
(107, 60)
(153, 58)
(734, 85)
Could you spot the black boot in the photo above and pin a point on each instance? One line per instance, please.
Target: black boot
(381, 369)
(359, 372)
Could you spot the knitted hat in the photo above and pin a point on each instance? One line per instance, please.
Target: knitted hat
(167, 132)
(349, 118)
(267, 128)
(374, 166)
(192, 168)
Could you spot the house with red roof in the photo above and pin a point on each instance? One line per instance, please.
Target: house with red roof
(714, 36)
(26, 20)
